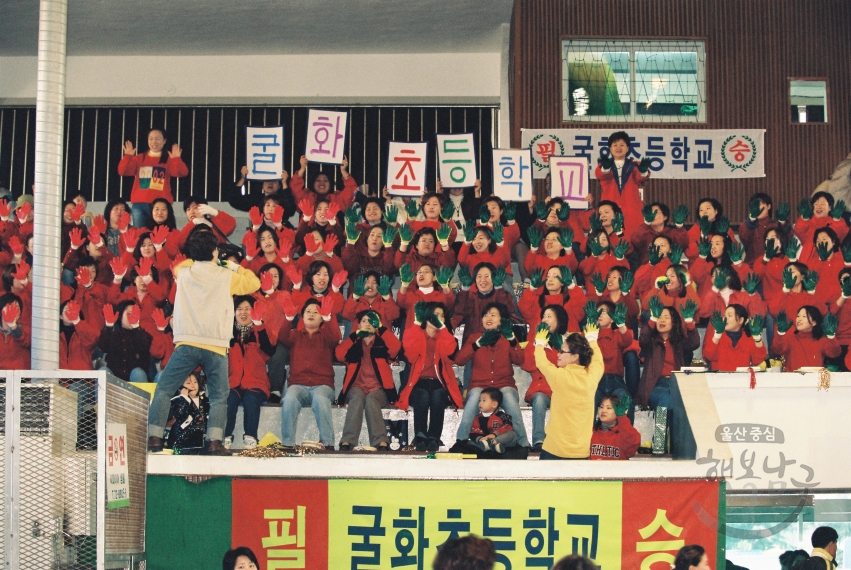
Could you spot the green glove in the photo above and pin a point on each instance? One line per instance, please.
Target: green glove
(507, 330)
(792, 248)
(846, 288)
(498, 234)
(443, 232)
(598, 283)
(421, 312)
(564, 212)
(388, 235)
(620, 249)
(788, 279)
(676, 254)
(626, 282)
(722, 224)
(596, 222)
(406, 233)
(751, 283)
(656, 306)
(755, 326)
(406, 274)
(510, 211)
(535, 237)
(617, 223)
(556, 341)
(704, 247)
(810, 281)
(737, 252)
(541, 210)
(469, 231)
(537, 278)
(644, 165)
(352, 214)
(783, 211)
(829, 325)
(566, 276)
(846, 253)
(705, 226)
(605, 162)
(413, 209)
(754, 209)
(619, 314)
(718, 321)
(447, 211)
(623, 405)
(770, 251)
(565, 238)
(721, 279)
(680, 214)
(484, 214)
(823, 251)
(352, 233)
(374, 319)
(464, 277)
(488, 338)
(444, 274)
(688, 309)
(805, 208)
(384, 285)
(434, 320)
(499, 277)
(541, 328)
(782, 322)
(363, 333)
(595, 247)
(649, 214)
(360, 287)
(391, 214)
(654, 254)
(591, 312)
(837, 210)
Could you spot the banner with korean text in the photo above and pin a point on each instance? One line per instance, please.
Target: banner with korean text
(370, 524)
(326, 136)
(264, 152)
(673, 153)
(406, 168)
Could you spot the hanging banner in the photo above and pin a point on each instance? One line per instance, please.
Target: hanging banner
(456, 156)
(569, 181)
(326, 136)
(264, 152)
(673, 153)
(406, 168)
(401, 524)
(117, 473)
(512, 174)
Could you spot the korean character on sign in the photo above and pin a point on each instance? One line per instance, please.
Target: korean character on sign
(292, 556)
(740, 434)
(535, 540)
(714, 471)
(660, 550)
(656, 153)
(680, 151)
(490, 531)
(780, 469)
(455, 526)
(756, 434)
(589, 547)
(405, 540)
(585, 148)
(747, 465)
(704, 155)
(512, 172)
(603, 146)
(727, 434)
(810, 474)
(769, 434)
(265, 149)
(456, 154)
(633, 153)
(326, 129)
(366, 533)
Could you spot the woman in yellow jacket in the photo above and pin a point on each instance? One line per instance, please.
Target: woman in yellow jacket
(573, 382)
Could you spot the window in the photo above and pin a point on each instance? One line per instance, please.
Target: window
(626, 81)
(808, 100)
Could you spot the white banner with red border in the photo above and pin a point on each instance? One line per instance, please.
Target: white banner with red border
(673, 153)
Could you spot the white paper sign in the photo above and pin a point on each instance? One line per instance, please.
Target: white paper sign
(406, 168)
(264, 151)
(570, 180)
(326, 136)
(512, 174)
(117, 475)
(457, 158)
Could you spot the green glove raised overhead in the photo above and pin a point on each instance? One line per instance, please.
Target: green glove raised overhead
(535, 237)
(782, 322)
(470, 229)
(565, 238)
(541, 210)
(406, 275)
(384, 285)
(680, 214)
(619, 314)
(510, 211)
(755, 326)
(537, 278)
(406, 233)
(444, 274)
(654, 254)
(413, 209)
(755, 209)
(837, 210)
(499, 276)
(620, 249)
(464, 277)
(688, 309)
(789, 279)
(751, 283)
(810, 281)
(718, 322)
(626, 282)
(823, 251)
(447, 211)
(388, 235)
(676, 254)
(617, 223)
(805, 208)
(421, 312)
(443, 232)
(783, 211)
(829, 325)
(564, 212)
(591, 312)
(598, 283)
(360, 287)
(656, 307)
(648, 213)
(391, 214)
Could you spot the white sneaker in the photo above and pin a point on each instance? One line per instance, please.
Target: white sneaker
(248, 442)
(227, 442)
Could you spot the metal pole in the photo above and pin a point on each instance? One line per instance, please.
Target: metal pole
(13, 469)
(50, 107)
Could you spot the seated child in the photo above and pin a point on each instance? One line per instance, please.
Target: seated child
(189, 410)
(492, 428)
(614, 437)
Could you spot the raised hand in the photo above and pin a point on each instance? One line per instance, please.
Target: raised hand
(605, 161)
(541, 211)
(838, 209)
(288, 306)
(11, 312)
(688, 309)
(536, 279)
(751, 283)
(793, 249)
(406, 234)
(249, 240)
(789, 279)
(595, 247)
(721, 279)
(466, 279)
(535, 237)
(644, 165)
(134, 316)
(83, 277)
(620, 249)
(598, 283)
(352, 233)
(22, 271)
(384, 285)
(656, 307)
(406, 274)
(566, 277)
(626, 282)
(718, 322)
(704, 247)
(352, 215)
(444, 274)
(489, 337)
(680, 215)
(619, 315)
(510, 211)
(144, 267)
(447, 211)
(158, 236)
(722, 225)
(412, 208)
(648, 213)
(339, 279)
(443, 233)
(72, 311)
(782, 322)
(131, 238)
(306, 207)
(470, 229)
(258, 311)
(783, 211)
(617, 223)
(294, 275)
(278, 215)
(737, 253)
(828, 325)
(23, 212)
(285, 247)
(565, 237)
(676, 254)
(755, 326)
(391, 214)
(771, 249)
(805, 208)
(330, 243)
(77, 212)
(5, 210)
(591, 312)
(654, 254)
(823, 251)
(507, 330)
(810, 281)
(498, 233)
(267, 283)
(388, 235)
(326, 307)
(499, 276)
(564, 212)
(123, 222)
(119, 270)
(421, 312)
(755, 209)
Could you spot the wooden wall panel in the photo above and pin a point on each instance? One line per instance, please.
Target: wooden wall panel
(753, 47)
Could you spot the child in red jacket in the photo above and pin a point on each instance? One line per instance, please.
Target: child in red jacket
(614, 436)
(492, 428)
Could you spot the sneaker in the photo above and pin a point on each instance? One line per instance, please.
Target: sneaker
(498, 447)
(486, 444)
(155, 444)
(274, 398)
(345, 447)
(538, 447)
(433, 445)
(228, 442)
(420, 443)
(327, 446)
(248, 442)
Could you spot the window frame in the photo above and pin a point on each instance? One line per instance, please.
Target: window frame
(826, 99)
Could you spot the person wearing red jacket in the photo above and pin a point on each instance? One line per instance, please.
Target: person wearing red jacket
(493, 428)
(842, 309)
(78, 338)
(432, 386)
(14, 334)
(812, 341)
(322, 188)
(90, 246)
(162, 216)
(320, 219)
(371, 293)
(620, 180)
(760, 220)
(739, 344)
(320, 282)
(662, 255)
(667, 342)
(250, 349)
(372, 254)
(424, 250)
(557, 250)
(614, 437)
(819, 211)
(368, 386)
(432, 209)
(266, 246)
(152, 172)
(710, 221)
(140, 244)
(770, 264)
(425, 290)
(614, 341)
(798, 290)
(617, 288)
(646, 233)
(483, 246)
(600, 258)
(555, 214)
(494, 353)
(311, 380)
(128, 347)
(558, 288)
(318, 250)
(718, 251)
(827, 261)
(145, 291)
(674, 289)
(719, 297)
(199, 212)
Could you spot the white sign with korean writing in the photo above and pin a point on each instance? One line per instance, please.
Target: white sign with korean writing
(406, 168)
(457, 159)
(326, 136)
(512, 174)
(569, 180)
(673, 153)
(264, 151)
(117, 474)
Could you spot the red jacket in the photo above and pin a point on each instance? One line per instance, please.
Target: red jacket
(387, 309)
(620, 442)
(384, 348)
(357, 261)
(672, 301)
(15, 350)
(76, 353)
(530, 307)
(501, 257)
(343, 198)
(155, 297)
(694, 235)
(469, 305)
(701, 273)
(415, 260)
(157, 177)
(247, 360)
(713, 301)
(224, 224)
(492, 365)
(725, 357)
(414, 341)
(770, 275)
(626, 194)
(753, 236)
(417, 225)
(828, 272)
(613, 344)
(792, 302)
(497, 423)
(591, 265)
(806, 229)
(643, 236)
(535, 260)
(801, 349)
(408, 299)
(311, 354)
(539, 383)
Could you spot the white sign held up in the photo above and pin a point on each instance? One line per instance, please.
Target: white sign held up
(569, 180)
(406, 168)
(264, 151)
(326, 136)
(512, 174)
(457, 157)
(117, 473)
